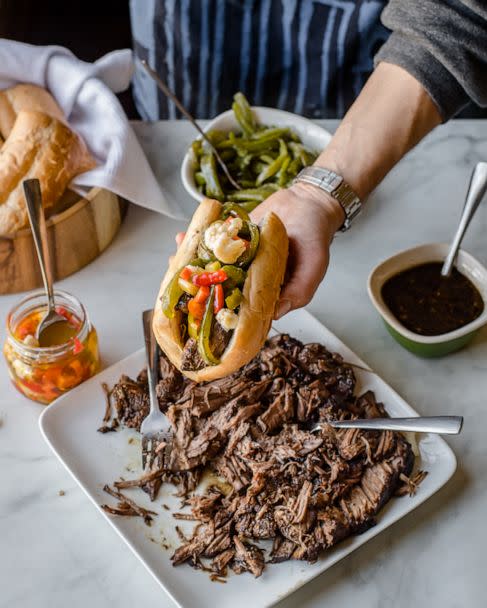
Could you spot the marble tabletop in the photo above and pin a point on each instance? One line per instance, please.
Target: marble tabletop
(56, 551)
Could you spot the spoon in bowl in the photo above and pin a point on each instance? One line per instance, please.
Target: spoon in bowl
(167, 91)
(475, 193)
(33, 198)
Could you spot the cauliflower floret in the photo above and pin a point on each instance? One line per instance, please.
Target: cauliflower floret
(227, 319)
(220, 238)
(22, 370)
(30, 340)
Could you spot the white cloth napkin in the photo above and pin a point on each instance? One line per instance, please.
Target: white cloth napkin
(85, 92)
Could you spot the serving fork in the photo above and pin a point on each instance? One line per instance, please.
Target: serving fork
(155, 428)
(442, 425)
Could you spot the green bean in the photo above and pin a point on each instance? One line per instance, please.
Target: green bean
(271, 133)
(260, 158)
(299, 151)
(295, 167)
(196, 147)
(216, 136)
(208, 169)
(243, 114)
(252, 194)
(227, 154)
(246, 183)
(282, 175)
(274, 167)
(199, 178)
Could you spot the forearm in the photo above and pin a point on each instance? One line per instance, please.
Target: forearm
(390, 116)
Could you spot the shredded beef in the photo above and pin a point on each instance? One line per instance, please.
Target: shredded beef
(191, 360)
(304, 491)
(219, 339)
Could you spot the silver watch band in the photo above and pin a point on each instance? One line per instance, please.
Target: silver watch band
(335, 186)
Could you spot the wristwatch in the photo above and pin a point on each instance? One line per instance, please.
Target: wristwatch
(337, 187)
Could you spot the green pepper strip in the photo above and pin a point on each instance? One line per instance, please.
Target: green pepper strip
(249, 255)
(192, 327)
(204, 348)
(236, 276)
(235, 210)
(208, 169)
(234, 299)
(171, 296)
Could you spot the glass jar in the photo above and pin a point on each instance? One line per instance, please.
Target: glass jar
(44, 373)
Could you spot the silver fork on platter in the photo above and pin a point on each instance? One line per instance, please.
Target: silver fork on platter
(155, 428)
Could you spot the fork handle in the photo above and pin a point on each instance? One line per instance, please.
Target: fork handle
(448, 425)
(151, 358)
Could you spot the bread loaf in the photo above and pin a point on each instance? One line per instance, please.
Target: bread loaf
(38, 145)
(25, 97)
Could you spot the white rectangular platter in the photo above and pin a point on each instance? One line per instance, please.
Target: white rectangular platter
(93, 459)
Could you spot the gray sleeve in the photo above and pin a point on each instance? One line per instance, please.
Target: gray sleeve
(443, 44)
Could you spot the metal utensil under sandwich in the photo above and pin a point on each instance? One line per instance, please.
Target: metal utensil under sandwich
(155, 428)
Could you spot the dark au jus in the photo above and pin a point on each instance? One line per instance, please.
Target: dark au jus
(429, 304)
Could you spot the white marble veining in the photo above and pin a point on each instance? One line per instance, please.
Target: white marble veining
(55, 551)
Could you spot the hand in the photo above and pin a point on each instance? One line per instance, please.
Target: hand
(311, 218)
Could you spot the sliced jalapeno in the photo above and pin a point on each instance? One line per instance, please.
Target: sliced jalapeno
(249, 254)
(235, 210)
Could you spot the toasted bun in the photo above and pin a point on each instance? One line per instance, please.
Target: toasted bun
(43, 147)
(260, 294)
(27, 97)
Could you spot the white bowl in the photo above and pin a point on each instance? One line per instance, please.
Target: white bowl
(428, 346)
(313, 137)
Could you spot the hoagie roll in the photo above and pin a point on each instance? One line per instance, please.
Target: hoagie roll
(218, 297)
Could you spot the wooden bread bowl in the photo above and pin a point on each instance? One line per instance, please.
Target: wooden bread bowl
(37, 142)
(79, 230)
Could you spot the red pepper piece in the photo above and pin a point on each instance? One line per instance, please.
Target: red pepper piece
(78, 346)
(62, 311)
(186, 273)
(197, 309)
(35, 387)
(219, 302)
(210, 278)
(202, 295)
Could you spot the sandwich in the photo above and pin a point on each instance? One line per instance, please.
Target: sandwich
(218, 297)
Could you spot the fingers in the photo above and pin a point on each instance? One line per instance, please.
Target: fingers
(179, 238)
(306, 269)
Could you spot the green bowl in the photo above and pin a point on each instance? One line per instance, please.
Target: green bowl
(427, 346)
